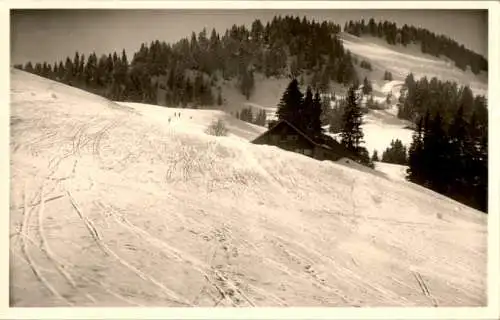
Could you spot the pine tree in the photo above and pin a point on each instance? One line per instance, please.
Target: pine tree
(38, 68)
(124, 58)
(290, 104)
(316, 128)
(425, 154)
(60, 72)
(247, 83)
(476, 173)
(219, 98)
(461, 145)
(396, 153)
(294, 68)
(189, 90)
(261, 118)
(68, 69)
(29, 67)
(250, 115)
(109, 68)
(351, 132)
(388, 99)
(372, 27)
(197, 88)
(45, 70)
(324, 82)
(206, 96)
(371, 103)
(81, 69)
(55, 71)
(90, 70)
(244, 114)
(367, 87)
(375, 156)
(387, 76)
(435, 150)
(336, 115)
(466, 100)
(415, 171)
(326, 102)
(305, 113)
(101, 72)
(76, 65)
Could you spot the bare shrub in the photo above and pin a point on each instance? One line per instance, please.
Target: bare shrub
(217, 128)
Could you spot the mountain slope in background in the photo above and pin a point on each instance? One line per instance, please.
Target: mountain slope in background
(380, 126)
(112, 205)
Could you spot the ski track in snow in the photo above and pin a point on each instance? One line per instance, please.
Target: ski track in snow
(113, 206)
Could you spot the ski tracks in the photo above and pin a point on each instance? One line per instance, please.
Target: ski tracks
(425, 289)
(108, 251)
(307, 272)
(82, 137)
(43, 244)
(54, 259)
(34, 235)
(218, 279)
(24, 233)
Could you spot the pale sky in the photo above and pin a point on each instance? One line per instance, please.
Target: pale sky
(50, 35)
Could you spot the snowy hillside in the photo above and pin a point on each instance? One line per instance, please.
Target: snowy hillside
(380, 127)
(113, 206)
(193, 120)
(401, 60)
(393, 171)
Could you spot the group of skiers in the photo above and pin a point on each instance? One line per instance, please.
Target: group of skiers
(176, 115)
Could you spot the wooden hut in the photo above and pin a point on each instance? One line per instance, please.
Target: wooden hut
(286, 136)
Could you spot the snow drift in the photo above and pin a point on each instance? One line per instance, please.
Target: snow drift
(112, 205)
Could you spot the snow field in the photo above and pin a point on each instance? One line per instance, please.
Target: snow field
(113, 206)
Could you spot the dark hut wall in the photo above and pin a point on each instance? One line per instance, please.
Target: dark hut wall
(287, 138)
(332, 152)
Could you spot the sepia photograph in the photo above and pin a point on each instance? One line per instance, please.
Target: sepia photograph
(227, 158)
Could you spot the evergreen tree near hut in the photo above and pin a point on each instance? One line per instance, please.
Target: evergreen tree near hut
(351, 132)
(290, 105)
(315, 127)
(306, 112)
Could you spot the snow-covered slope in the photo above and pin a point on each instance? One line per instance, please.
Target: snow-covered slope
(193, 120)
(400, 61)
(393, 171)
(380, 127)
(113, 206)
(266, 95)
